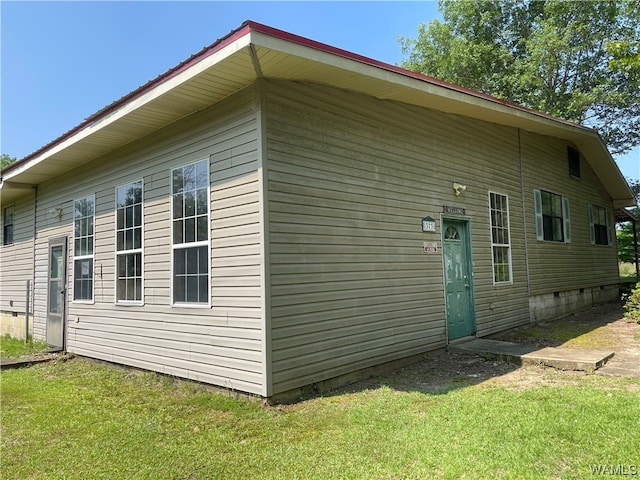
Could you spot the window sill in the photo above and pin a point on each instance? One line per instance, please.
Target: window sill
(191, 305)
(121, 303)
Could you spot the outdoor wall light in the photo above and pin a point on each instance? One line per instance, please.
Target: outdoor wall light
(56, 213)
(459, 188)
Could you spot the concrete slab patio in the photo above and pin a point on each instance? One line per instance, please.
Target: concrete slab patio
(622, 365)
(557, 357)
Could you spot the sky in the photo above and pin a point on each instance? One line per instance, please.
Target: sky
(63, 61)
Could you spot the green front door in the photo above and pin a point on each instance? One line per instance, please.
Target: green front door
(458, 278)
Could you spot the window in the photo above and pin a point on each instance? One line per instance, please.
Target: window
(129, 243)
(7, 226)
(190, 225)
(83, 234)
(500, 238)
(451, 233)
(599, 226)
(573, 157)
(552, 216)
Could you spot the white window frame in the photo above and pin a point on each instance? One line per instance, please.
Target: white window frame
(505, 245)
(132, 251)
(566, 217)
(9, 211)
(592, 209)
(175, 246)
(90, 256)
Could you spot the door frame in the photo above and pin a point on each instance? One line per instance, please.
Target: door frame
(466, 221)
(61, 241)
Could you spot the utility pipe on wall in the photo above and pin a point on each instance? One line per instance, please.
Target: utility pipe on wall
(26, 313)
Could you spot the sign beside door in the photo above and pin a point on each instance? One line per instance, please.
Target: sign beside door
(430, 247)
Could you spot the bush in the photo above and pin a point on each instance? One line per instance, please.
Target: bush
(632, 304)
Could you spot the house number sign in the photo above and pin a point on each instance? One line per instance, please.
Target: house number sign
(428, 224)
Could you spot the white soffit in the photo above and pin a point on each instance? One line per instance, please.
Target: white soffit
(209, 80)
(280, 58)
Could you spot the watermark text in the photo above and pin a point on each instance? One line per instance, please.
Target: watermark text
(629, 469)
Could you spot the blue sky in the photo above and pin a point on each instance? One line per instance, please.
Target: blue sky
(63, 61)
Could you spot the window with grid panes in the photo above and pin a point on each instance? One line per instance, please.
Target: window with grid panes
(83, 240)
(7, 226)
(190, 231)
(129, 237)
(500, 238)
(600, 225)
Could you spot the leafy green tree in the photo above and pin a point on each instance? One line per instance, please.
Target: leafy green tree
(5, 161)
(624, 237)
(624, 231)
(635, 188)
(576, 60)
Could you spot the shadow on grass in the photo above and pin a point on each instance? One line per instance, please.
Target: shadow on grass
(443, 372)
(437, 374)
(584, 329)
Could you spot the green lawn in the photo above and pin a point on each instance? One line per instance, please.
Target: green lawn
(86, 420)
(15, 347)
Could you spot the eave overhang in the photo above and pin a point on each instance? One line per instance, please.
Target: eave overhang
(253, 51)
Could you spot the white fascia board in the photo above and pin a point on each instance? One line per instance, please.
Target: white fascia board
(379, 72)
(136, 103)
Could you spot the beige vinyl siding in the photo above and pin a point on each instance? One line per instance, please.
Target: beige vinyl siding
(222, 344)
(556, 266)
(16, 265)
(48, 226)
(350, 178)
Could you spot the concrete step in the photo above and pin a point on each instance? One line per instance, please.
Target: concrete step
(557, 357)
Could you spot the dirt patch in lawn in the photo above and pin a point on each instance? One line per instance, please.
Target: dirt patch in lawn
(602, 327)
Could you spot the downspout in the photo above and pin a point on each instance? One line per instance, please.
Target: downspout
(524, 213)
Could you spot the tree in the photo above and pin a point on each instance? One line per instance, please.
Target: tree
(635, 188)
(5, 161)
(575, 60)
(624, 237)
(624, 231)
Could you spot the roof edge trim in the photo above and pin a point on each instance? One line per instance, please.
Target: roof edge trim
(207, 51)
(303, 41)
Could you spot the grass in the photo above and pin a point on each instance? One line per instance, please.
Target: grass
(629, 280)
(571, 335)
(14, 347)
(590, 329)
(83, 419)
(627, 272)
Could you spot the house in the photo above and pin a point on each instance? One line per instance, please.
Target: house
(274, 213)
